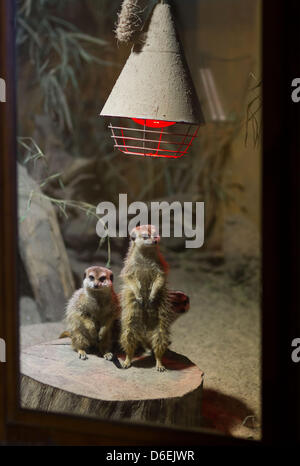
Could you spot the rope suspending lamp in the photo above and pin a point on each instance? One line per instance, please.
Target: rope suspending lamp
(154, 99)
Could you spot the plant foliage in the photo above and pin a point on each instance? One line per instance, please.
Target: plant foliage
(57, 50)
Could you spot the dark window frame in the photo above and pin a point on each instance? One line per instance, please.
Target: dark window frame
(280, 245)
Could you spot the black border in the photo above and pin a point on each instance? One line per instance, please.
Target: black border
(280, 221)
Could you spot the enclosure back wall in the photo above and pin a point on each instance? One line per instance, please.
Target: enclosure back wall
(220, 169)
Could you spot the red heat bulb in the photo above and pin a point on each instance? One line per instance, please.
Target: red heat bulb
(153, 123)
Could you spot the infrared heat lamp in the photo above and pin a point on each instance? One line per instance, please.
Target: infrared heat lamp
(153, 107)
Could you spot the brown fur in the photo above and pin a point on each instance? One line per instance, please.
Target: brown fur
(179, 304)
(146, 314)
(91, 313)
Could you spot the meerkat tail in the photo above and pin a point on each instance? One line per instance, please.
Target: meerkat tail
(65, 334)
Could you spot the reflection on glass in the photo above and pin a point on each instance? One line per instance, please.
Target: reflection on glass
(81, 207)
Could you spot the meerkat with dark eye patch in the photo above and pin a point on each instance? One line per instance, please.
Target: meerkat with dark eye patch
(91, 313)
(179, 305)
(146, 308)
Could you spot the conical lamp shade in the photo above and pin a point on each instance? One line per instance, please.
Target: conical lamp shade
(155, 82)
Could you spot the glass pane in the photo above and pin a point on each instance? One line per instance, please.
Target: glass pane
(184, 159)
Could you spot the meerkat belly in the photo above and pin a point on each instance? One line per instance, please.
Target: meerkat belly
(87, 324)
(92, 319)
(150, 320)
(101, 320)
(145, 278)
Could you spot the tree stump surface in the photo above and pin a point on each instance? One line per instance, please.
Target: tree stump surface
(55, 379)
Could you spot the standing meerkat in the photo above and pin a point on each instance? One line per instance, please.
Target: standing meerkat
(91, 313)
(179, 305)
(146, 315)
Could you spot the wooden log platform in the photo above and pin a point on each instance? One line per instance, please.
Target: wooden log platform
(53, 378)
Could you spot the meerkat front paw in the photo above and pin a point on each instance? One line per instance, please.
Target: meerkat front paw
(125, 364)
(82, 354)
(160, 368)
(108, 356)
(151, 299)
(140, 300)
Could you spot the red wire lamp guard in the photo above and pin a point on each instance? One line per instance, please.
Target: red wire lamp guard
(154, 138)
(154, 100)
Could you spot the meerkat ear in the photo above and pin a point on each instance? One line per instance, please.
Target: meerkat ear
(133, 236)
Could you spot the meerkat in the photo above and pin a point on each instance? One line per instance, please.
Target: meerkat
(146, 314)
(179, 305)
(91, 313)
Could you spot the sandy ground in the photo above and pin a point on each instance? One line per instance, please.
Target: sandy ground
(221, 334)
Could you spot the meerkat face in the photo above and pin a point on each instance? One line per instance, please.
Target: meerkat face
(145, 236)
(98, 279)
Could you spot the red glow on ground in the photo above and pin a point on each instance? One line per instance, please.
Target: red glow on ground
(153, 123)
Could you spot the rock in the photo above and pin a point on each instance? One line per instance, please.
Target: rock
(42, 249)
(38, 333)
(29, 313)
